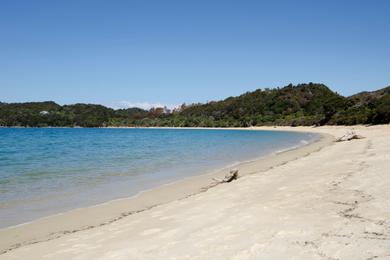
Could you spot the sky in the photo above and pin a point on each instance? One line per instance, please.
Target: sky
(146, 53)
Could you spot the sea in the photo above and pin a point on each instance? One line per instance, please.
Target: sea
(44, 171)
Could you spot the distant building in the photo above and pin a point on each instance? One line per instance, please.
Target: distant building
(44, 112)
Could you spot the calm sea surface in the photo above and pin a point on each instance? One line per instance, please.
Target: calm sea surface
(47, 170)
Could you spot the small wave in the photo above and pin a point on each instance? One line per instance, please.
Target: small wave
(304, 142)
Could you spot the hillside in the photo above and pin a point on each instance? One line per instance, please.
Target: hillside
(304, 104)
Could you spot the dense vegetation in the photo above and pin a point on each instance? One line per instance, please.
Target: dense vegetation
(304, 104)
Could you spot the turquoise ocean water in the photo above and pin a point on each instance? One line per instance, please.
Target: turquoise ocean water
(44, 171)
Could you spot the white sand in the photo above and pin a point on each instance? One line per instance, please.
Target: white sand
(331, 204)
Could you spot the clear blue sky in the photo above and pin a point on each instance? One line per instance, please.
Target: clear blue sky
(171, 52)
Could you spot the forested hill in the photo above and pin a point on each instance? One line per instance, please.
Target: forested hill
(304, 104)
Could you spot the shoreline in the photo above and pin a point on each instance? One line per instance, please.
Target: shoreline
(58, 225)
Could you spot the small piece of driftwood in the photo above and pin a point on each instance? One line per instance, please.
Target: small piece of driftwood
(232, 175)
(349, 136)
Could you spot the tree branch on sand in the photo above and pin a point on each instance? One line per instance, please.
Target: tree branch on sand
(232, 175)
(351, 135)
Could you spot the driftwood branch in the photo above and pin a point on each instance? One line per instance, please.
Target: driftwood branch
(349, 136)
(232, 175)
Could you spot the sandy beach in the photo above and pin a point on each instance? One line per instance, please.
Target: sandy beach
(326, 200)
